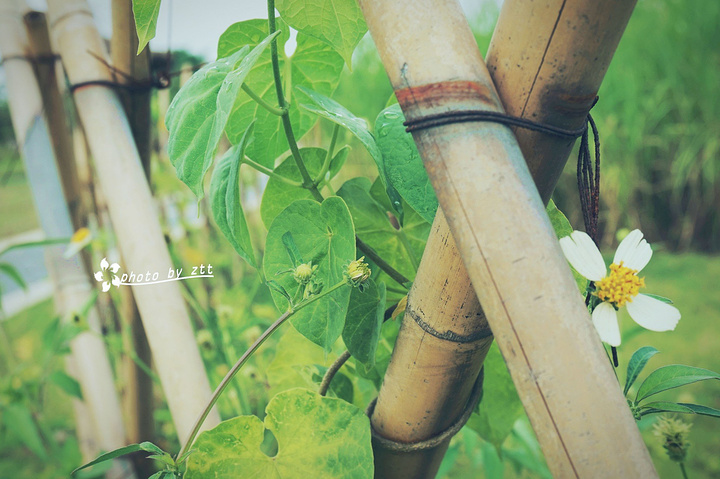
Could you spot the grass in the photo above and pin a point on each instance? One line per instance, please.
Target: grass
(689, 280)
(25, 331)
(16, 211)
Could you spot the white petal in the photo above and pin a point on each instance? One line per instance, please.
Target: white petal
(114, 267)
(99, 276)
(583, 255)
(116, 281)
(653, 314)
(605, 320)
(104, 264)
(633, 251)
(105, 287)
(71, 250)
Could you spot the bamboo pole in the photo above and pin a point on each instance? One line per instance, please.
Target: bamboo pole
(553, 354)
(72, 290)
(131, 67)
(130, 204)
(138, 386)
(39, 41)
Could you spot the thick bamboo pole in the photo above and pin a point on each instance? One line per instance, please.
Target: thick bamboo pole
(555, 87)
(71, 286)
(498, 217)
(138, 386)
(130, 204)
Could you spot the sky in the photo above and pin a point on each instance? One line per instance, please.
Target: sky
(194, 25)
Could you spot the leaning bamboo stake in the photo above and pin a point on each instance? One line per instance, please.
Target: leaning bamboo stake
(72, 290)
(522, 279)
(130, 204)
(130, 67)
(45, 68)
(534, 84)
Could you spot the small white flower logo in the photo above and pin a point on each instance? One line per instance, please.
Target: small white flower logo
(102, 274)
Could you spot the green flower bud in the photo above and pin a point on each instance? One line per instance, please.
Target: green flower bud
(358, 272)
(673, 433)
(304, 273)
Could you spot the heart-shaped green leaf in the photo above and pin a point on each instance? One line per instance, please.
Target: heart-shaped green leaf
(373, 226)
(339, 23)
(324, 235)
(318, 437)
(314, 64)
(500, 406)
(364, 320)
(225, 200)
(403, 166)
(278, 195)
(335, 112)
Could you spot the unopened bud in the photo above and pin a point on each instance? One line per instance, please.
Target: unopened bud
(304, 273)
(673, 433)
(358, 271)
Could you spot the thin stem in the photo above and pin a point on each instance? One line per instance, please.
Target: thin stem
(274, 110)
(328, 156)
(406, 244)
(307, 180)
(390, 289)
(287, 126)
(682, 469)
(271, 173)
(243, 359)
(382, 264)
(332, 370)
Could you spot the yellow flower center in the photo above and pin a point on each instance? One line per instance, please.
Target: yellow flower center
(620, 286)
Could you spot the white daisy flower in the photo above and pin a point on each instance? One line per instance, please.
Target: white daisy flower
(80, 239)
(621, 286)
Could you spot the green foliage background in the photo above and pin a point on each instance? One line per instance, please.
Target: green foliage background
(658, 117)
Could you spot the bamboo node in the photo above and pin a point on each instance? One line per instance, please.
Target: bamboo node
(439, 438)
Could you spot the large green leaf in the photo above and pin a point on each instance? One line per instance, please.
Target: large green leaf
(404, 168)
(67, 383)
(373, 226)
(670, 377)
(314, 65)
(364, 320)
(295, 362)
(225, 200)
(324, 234)
(278, 195)
(146, 15)
(339, 23)
(500, 406)
(637, 362)
(563, 228)
(199, 113)
(318, 437)
(19, 420)
(335, 112)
